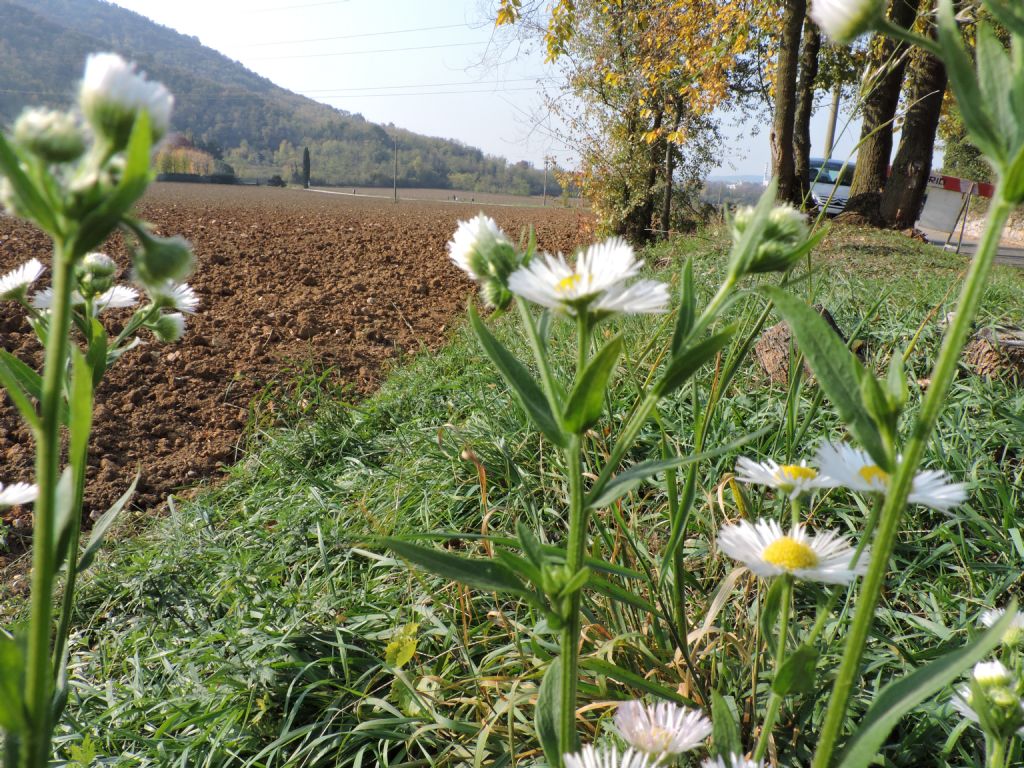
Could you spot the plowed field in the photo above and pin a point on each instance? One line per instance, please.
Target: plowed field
(285, 277)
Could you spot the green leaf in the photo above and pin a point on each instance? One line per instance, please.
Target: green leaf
(995, 75)
(545, 715)
(835, 366)
(80, 422)
(519, 565)
(687, 363)
(30, 381)
(901, 696)
(576, 583)
(133, 182)
(964, 84)
(531, 545)
(687, 308)
(19, 396)
(97, 353)
(99, 530)
(770, 609)
(1013, 179)
(1009, 13)
(66, 515)
(402, 647)
(33, 203)
(613, 591)
(797, 672)
(519, 380)
(624, 482)
(615, 672)
(725, 735)
(12, 685)
(586, 401)
(489, 575)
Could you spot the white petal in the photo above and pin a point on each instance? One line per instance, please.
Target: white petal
(17, 493)
(20, 278)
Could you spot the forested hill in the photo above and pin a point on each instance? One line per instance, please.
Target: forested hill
(256, 126)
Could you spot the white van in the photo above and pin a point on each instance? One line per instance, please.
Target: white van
(830, 184)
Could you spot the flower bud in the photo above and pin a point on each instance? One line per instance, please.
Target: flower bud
(96, 273)
(482, 250)
(784, 232)
(113, 94)
(169, 327)
(846, 20)
(50, 134)
(161, 258)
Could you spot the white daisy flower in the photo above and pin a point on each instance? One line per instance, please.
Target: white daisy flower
(852, 468)
(588, 757)
(116, 297)
(113, 93)
(767, 551)
(15, 282)
(597, 280)
(792, 479)
(846, 20)
(179, 296)
(734, 761)
(1014, 633)
(661, 729)
(17, 493)
(472, 241)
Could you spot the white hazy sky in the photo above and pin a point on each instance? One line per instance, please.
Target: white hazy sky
(414, 63)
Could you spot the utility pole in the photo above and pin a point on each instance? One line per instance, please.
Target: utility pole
(545, 202)
(396, 167)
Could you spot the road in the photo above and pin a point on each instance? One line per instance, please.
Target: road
(1008, 254)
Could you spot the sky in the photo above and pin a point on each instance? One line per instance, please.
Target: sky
(431, 66)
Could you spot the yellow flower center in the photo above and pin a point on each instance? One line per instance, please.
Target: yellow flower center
(874, 474)
(789, 554)
(567, 284)
(791, 473)
(658, 739)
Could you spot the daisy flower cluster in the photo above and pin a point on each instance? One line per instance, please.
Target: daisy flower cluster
(993, 700)
(656, 734)
(597, 282)
(843, 466)
(95, 292)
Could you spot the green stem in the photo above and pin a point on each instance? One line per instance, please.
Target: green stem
(574, 560)
(539, 356)
(38, 681)
(896, 498)
(995, 752)
(897, 32)
(775, 700)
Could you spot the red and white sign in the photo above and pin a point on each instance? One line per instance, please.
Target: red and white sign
(960, 186)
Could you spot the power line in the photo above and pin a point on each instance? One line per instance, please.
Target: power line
(423, 85)
(351, 37)
(302, 5)
(378, 50)
(426, 93)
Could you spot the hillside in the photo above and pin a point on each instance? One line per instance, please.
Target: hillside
(232, 112)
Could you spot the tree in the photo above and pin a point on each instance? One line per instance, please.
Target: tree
(305, 167)
(804, 108)
(647, 76)
(787, 63)
(887, 63)
(904, 191)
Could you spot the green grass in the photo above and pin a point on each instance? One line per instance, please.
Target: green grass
(251, 626)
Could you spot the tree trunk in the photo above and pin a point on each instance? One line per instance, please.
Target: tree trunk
(804, 107)
(783, 165)
(904, 192)
(878, 112)
(636, 225)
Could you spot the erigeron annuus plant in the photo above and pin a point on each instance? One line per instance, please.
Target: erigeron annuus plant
(76, 176)
(882, 463)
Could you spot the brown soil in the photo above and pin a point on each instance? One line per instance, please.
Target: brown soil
(285, 277)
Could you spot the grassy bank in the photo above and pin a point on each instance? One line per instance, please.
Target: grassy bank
(258, 625)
